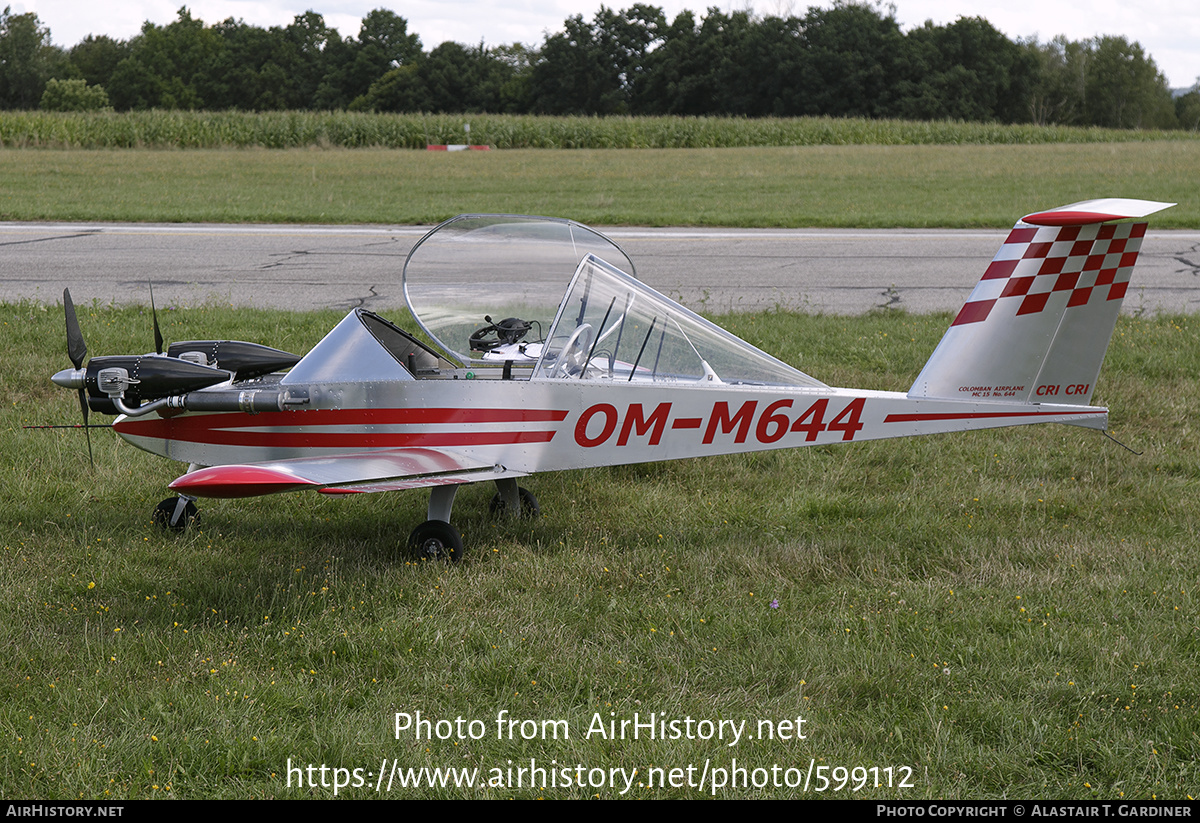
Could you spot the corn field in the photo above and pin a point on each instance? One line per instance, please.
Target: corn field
(280, 130)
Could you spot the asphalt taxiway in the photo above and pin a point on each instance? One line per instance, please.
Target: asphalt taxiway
(847, 271)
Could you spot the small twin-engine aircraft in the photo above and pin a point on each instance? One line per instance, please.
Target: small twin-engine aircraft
(612, 373)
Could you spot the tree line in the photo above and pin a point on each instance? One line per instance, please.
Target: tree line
(848, 60)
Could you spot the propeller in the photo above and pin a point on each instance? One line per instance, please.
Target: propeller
(77, 351)
(158, 338)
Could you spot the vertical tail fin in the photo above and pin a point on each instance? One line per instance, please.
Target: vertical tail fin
(1038, 322)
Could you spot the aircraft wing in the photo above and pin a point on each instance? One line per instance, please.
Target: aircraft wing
(385, 470)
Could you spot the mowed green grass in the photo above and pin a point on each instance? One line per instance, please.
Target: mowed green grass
(1009, 614)
(858, 186)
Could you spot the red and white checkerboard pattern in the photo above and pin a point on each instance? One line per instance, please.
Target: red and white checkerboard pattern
(1084, 264)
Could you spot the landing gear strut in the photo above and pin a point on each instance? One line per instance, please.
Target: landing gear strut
(436, 539)
(513, 500)
(176, 513)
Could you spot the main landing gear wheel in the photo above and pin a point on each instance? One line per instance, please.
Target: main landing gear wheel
(176, 514)
(436, 540)
(529, 505)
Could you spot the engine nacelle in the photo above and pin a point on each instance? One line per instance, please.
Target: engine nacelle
(245, 360)
(149, 377)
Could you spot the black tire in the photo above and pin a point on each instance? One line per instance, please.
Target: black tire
(529, 505)
(164, 512)
(436, 540)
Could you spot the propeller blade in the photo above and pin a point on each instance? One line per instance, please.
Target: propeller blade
(158, 338)
(87, 432)
(76, 347)
(72, 426)
(77, 350)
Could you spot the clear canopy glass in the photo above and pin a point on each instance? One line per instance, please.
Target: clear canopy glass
(613, 327)
(474, 267)
(489, 287)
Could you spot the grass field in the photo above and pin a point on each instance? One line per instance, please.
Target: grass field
(999, 614)
(1007, 614)
(856, 186)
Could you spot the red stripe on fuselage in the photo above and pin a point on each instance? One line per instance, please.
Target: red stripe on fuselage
(304, 428)
(929, 418)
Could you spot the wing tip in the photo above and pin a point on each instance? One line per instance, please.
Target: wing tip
(238, 481)
(1095, 211)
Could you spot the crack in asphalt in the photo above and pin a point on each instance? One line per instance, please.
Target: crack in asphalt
(893, 297)
(359, 302)
(1192, 268)
(74, 236)
(282, 260)
(286, 258)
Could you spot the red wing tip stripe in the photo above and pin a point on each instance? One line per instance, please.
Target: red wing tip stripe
(238, 481)
(1069, 218)
(932, 418)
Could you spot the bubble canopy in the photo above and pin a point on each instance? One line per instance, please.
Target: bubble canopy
(500, 266)
(490, 288)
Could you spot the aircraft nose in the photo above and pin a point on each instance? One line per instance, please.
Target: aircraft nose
(70, 378)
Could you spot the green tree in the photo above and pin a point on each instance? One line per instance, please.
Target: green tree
(251, 80)
(1125, 89)
(450, 79)
(299, 56)
(454, 78)
(597, 67)
(851, 69)
(1187, 109)
(73, 95)
(511, 68)
(401, 89)
(95, 58)
(1060, 78)
(677, 74)
(966, 71)
(177, 66)
(384, 43)
(27, 60)
(351, 66)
